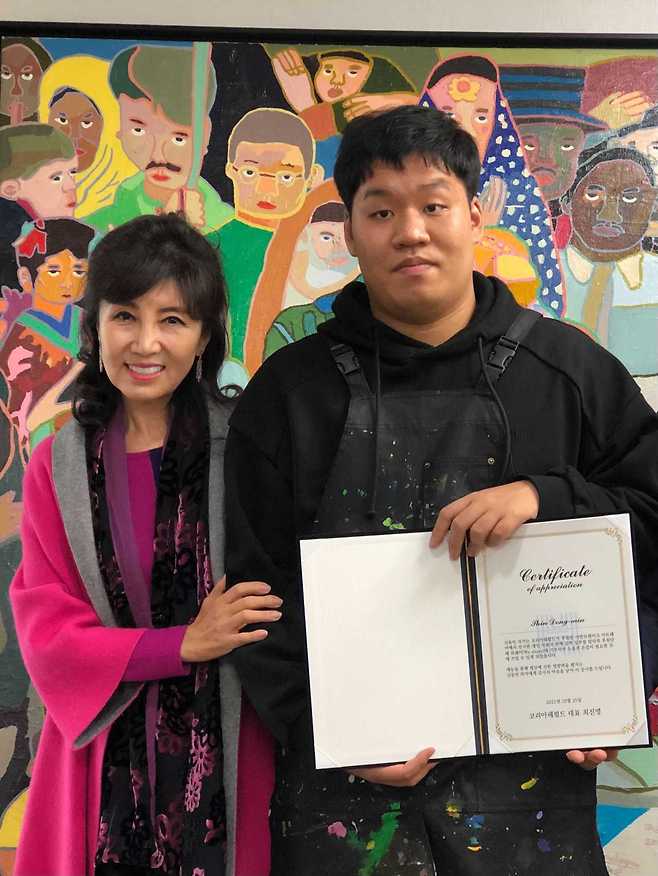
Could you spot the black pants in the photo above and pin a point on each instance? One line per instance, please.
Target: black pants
(510, 815)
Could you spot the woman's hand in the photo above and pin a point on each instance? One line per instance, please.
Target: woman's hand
(216, 630)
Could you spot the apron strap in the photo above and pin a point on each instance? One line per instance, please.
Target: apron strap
(349, 366)
(499, 359)
(507, 345)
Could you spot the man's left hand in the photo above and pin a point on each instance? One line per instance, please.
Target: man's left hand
(589, 760)
(489, 517)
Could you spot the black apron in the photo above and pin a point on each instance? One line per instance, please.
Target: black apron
(401, 458)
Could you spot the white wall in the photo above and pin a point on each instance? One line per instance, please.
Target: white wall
(544, 16)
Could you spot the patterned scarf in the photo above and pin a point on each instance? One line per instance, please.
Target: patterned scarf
(162, 800)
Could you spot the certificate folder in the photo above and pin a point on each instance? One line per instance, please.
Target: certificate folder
(531, 646)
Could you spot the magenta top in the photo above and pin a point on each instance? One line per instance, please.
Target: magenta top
(157, 653)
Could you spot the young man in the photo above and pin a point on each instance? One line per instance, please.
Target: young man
(385, 418)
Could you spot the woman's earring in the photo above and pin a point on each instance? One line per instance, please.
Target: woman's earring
(100, 357)
(199, 369)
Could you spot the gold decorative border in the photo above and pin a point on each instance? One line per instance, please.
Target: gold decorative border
(503, 735)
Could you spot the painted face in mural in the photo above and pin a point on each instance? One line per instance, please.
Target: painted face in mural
(150, 344)
(268, 180)
(552, 151)
(328, 243)
(339, 78)
(20, 74)
(77, 117)
(645, 141)
(160, 147)
(60, 280)
(471, 100)
(50, 192)
(413, 231)
(610, 209)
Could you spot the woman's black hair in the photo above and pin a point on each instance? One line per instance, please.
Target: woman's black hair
(131, 260)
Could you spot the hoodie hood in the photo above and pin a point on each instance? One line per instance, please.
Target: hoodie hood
(354, 325)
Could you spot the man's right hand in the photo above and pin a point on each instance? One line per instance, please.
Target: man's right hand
(216, 630)
(399, 775)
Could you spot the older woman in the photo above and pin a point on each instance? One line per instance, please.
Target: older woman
(118, 614)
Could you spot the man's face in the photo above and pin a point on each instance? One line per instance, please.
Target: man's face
(50, 191)
(76, 116)
(268, 179)
(552, 152)
(339, 78)
(413, 231)
(611, 207)
(20, 74)
(61, 278)
(328, 242)
(159, 147)
(471, 100)
(645, 141)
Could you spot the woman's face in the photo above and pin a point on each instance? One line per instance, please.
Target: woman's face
(76, 116)
(471, 100)
(150, 345)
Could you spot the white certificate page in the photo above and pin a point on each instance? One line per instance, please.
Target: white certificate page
(387, 650)
(560, 641)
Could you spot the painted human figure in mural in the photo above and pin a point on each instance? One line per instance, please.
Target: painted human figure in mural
(40, 347)
(75, 97)
(22, 64)
(546, 105)
(643, 136)
(612, 283)
(330, 88)
(271, 163)
(37, 181)
(154, 88)
(467, 88)
(321, 265)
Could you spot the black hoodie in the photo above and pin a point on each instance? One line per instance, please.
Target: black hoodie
(580, 431)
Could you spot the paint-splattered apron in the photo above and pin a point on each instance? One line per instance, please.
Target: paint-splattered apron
(497, 816)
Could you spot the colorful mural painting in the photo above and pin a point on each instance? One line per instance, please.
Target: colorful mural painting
(242, 137)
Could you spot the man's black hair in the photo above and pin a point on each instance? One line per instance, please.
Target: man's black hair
(391, 137)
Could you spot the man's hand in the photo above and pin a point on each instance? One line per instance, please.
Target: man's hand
(488, 516)
(589, 760)
(399, 775)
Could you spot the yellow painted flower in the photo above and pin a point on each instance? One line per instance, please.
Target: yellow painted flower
(464, 88)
